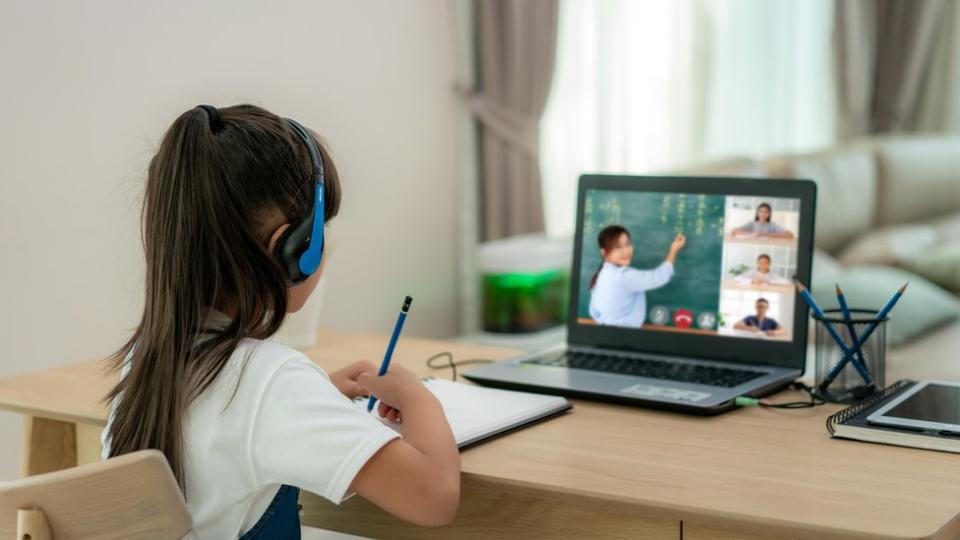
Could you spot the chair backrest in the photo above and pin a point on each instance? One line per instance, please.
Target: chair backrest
(130, 496)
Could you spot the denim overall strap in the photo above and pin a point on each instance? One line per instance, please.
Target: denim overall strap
(280, 520)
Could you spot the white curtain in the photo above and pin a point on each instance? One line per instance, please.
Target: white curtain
(648, 85)
(940, 101)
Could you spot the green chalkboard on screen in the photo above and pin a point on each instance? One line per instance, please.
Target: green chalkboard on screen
(654, 219)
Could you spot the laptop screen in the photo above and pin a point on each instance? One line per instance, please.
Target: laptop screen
(691, 263)
(685, 263)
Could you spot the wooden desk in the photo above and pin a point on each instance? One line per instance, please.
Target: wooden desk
(600, 472)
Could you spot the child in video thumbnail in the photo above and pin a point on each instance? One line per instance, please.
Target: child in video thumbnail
(762, 275)
(617, 291)
(762, 225)
(760, 322)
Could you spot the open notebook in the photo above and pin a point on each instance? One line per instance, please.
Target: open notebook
(476, 413)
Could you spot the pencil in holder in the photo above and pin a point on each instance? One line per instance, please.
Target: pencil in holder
(849, 385)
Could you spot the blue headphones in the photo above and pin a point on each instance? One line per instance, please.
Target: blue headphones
(300, 247)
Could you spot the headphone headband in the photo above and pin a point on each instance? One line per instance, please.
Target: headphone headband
(300, 248)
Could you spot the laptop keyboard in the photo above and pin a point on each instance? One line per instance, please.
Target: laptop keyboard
(651, 368)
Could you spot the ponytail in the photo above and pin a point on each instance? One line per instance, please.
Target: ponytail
(593, 280)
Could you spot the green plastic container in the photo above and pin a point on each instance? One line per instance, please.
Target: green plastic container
(525, 283)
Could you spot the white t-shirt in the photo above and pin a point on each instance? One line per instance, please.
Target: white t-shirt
(286, 424)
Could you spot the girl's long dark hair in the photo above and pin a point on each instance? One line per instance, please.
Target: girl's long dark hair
(607, 240)
(215, 192)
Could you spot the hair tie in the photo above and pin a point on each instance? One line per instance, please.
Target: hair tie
(214, 115)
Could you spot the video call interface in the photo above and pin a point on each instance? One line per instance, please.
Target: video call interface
(690, 263)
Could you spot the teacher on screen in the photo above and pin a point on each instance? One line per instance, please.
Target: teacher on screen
(618, 291)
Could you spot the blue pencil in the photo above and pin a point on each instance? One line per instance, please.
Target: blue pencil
(805, 294)
(845, 309)
(393, 343)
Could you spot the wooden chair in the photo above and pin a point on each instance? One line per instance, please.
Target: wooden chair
(131, 496)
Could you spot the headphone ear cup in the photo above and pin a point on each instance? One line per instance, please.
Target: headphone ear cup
(288, 255)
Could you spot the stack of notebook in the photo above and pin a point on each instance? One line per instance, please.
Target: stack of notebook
(852, 423)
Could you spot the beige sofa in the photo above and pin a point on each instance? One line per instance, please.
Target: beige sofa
(871, 183)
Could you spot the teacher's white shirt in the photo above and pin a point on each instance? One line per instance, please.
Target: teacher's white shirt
(619, 297)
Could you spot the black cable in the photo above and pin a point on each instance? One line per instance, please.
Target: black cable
(452, 364)
(814, 401)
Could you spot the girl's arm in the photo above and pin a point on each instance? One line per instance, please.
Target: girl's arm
(416, 478)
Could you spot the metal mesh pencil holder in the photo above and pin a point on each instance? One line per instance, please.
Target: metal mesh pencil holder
(849, 385)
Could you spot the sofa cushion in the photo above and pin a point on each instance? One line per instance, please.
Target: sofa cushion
(941, 265)
(893, 245)
(825, 266)
(948, 227)
(918, 177)
(931, 250)
(846, 190)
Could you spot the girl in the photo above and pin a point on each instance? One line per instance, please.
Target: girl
(762, 275)
(762, 226)
(618, 292)
(242, 420)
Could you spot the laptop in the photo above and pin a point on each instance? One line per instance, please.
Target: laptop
(681, 294)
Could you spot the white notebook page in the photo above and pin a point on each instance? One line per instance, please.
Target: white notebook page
(475, 412)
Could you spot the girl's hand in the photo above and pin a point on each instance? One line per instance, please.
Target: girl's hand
(346, 379)
(417, 477)
(395, 390)
(388, 412)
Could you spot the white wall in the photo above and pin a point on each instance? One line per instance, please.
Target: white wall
(88, 87)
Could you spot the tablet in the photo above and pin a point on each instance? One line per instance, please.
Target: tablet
(927, 406)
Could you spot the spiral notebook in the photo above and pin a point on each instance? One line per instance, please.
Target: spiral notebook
(851, 423)
(477, 414)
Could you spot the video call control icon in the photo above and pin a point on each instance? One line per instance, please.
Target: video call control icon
(660, 315)
(683, 318)
(706, 320)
